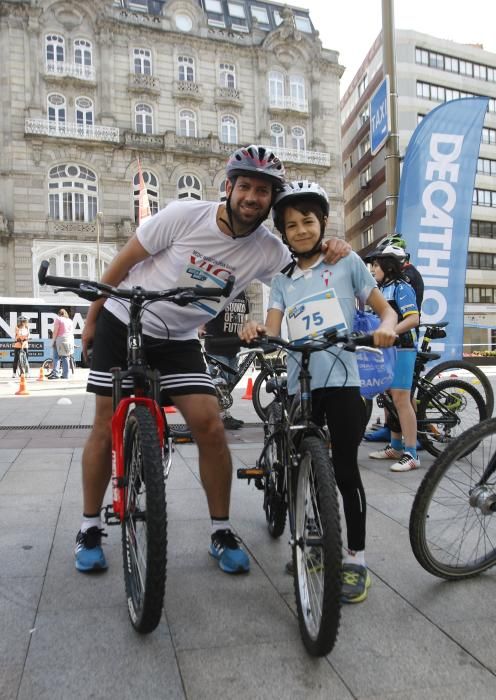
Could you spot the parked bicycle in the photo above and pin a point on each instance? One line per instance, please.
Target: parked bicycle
(269, 367)
(141, 448)
(23, 363)
(453, 517)
(295, 472)
(446, 408)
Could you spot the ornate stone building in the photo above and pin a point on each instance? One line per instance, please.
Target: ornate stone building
(88, 87)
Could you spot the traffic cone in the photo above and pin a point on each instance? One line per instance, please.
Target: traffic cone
(169, 409)
(23, 391)
(249, 390)
(41, 377)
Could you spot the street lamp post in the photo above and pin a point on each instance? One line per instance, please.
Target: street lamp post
(392, 157)
(99, 229)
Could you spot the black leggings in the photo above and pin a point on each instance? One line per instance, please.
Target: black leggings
(344, 410)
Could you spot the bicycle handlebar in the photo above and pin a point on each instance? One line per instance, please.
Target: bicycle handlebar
(266, 343)
(93, 290)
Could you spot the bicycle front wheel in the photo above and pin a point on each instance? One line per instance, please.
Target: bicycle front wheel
(47, 367)
(260, 397)
(453, 518)
(275, 504)
(317, 560)
(474, 376)
(144, 528)
(446, 411)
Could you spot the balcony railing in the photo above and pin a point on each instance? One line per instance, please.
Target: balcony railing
(142, 81)
(309, 157)
(70, 70)
(228, 95)
(187, 88)
(286, 102)
(44, 127)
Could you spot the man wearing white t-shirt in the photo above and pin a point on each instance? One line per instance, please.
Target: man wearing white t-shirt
(192, 242)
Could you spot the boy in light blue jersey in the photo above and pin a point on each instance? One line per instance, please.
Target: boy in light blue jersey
(316, 297)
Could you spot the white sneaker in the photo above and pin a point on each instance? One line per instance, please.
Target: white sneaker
(405, 464)
(387, 453)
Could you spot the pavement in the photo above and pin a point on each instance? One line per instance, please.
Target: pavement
(65, 635)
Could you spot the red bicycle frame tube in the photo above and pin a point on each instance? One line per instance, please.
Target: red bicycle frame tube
(118, 423)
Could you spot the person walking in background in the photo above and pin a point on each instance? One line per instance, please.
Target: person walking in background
(63, 343)
(21, 341)
(227, 324)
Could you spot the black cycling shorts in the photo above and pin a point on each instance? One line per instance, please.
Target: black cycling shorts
(180, 362)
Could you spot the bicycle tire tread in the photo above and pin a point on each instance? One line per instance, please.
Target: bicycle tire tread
(146, 618)
(461, 446)
(329, 512)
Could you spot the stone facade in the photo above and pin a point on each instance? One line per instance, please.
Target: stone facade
(88, 87)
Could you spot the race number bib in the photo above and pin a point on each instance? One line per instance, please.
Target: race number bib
(311, 317)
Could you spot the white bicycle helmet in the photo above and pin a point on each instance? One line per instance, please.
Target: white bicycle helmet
(388, 251)
(299, 188)
(256, 160)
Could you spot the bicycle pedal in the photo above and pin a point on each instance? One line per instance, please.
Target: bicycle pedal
(110, 517)
(250, 473)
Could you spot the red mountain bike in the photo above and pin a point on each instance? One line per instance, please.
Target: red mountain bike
(141, 447)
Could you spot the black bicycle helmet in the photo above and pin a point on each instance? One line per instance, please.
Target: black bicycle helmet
(293, 192)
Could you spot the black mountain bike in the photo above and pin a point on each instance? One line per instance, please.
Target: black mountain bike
(445, 409)
(295, 472)
(141, 448)
(453, 517)
(226, 378)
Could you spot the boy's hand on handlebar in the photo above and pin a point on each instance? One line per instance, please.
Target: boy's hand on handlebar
(384, 337)
(251, 331)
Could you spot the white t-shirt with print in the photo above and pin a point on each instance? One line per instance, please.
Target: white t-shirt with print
(187, 248)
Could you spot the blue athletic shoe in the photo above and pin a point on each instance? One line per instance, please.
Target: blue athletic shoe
(225, 548)
(89, 552)
(380, 435)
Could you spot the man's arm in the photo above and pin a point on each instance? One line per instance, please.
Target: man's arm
(334, 249)
(132, 253)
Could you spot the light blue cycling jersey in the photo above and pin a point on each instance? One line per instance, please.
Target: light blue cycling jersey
(315, 300)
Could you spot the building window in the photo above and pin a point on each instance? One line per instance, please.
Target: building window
(483, 229)
(228, 129)
(488, 136)
(297, 90)
(367, 206)
(227, 75)
(186, 68)
(57, 112)
(187, 123)
(486, 166)
(213, 6)
(151, 184)
(303, 24)
(84, 111)
(222, 191)
(298, 141)
(277, 136)
(480, 295)
(276, 88)
(142, 61)
(484, 198)
(72, 193)
(367, 236)
(363, 147)
(362, 85)
(189, 187)
(260, 14)
(76, 265)
(55, 49)
(82, 52)
(144, 119)
(481, 261)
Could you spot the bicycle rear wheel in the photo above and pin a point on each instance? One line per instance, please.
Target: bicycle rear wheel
(23, 363)
(260, 397)
(475, 376)
(275, 504)
(453, 518)
(144, 528)
(446, 411)
(317, 550)
(48, 367)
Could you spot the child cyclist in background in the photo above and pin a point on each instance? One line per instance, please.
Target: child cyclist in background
(300, 214)
(386, 268)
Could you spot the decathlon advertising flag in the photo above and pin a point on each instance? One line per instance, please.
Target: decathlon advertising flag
(434, 209)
